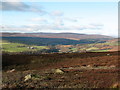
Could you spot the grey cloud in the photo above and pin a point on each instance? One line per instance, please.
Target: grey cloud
(64, 27)
(19, 6)
(50, 27)
(14, 6)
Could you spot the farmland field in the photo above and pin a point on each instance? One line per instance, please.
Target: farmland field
(26, 44)
(18, 47)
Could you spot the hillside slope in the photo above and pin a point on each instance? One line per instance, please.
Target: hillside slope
(73, 36)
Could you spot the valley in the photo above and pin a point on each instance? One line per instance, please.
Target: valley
(59, 45)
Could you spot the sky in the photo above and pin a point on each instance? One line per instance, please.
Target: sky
(57, 17)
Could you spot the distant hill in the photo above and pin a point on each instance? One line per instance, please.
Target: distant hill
(72, 36)
(50, 41)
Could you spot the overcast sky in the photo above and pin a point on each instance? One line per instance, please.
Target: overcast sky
(76, 17)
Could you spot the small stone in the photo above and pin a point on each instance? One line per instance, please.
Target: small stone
(27, 77)
(11, 71)
(59, 71)
(112, 66)
(89, 66)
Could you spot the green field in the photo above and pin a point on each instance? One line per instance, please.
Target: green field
(18, 47)
(73, 49)
(92, 48)
(100, 51)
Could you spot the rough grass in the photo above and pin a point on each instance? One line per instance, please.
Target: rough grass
(43, 60)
